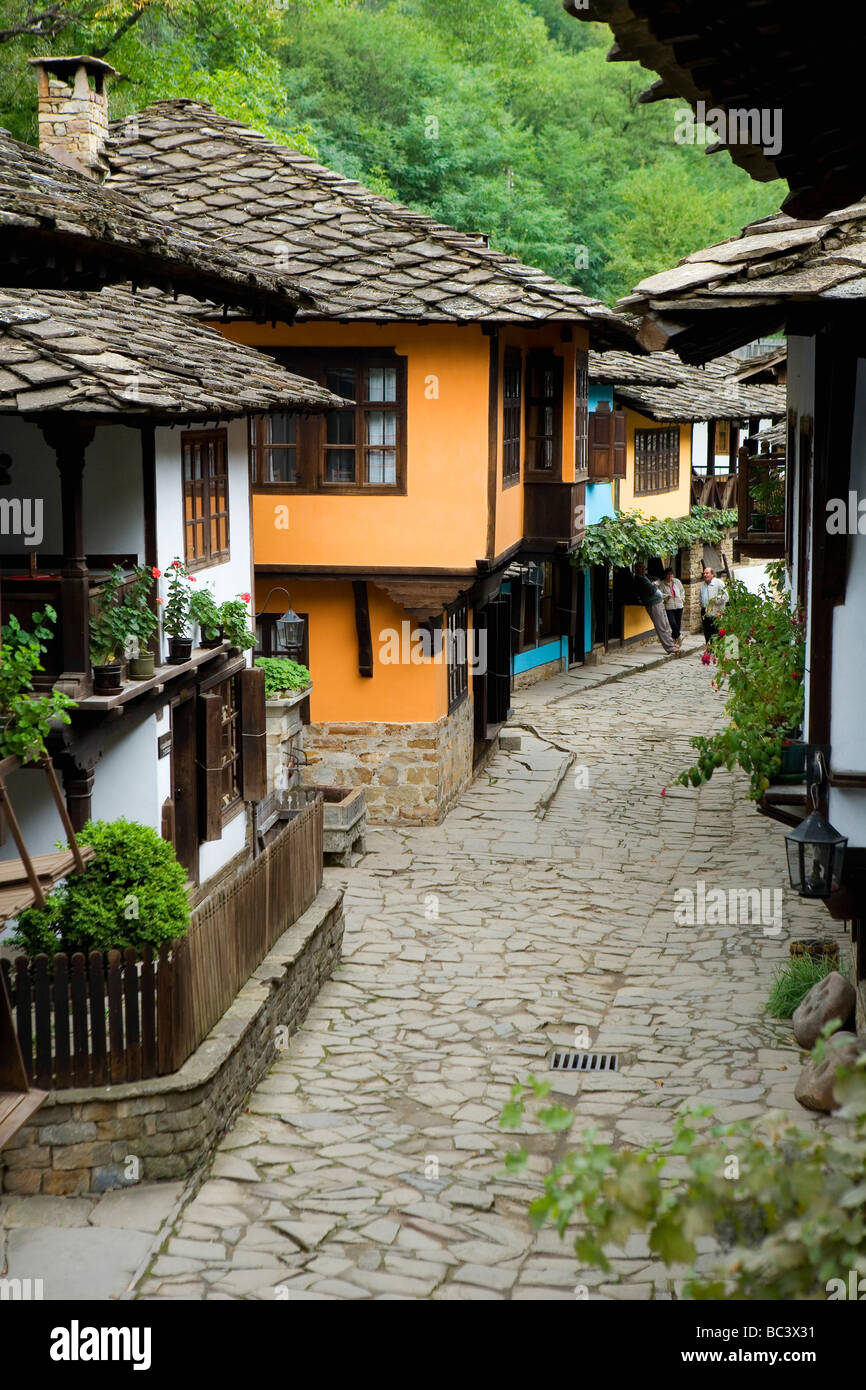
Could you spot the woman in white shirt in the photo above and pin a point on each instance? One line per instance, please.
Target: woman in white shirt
(675, 597)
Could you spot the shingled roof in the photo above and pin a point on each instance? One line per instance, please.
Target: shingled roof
(361, 255)
(728, 294)
(661, 387)
(113, 354)
(60, 228)
(756, 55)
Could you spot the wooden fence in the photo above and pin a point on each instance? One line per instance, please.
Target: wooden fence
(127, 1015)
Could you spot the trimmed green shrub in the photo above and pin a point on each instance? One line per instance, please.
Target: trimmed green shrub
(132, 893)
(281, 675)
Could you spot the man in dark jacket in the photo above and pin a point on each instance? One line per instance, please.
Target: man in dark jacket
(653, 600)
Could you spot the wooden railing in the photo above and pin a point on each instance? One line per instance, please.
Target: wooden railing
(127, 1015)
(720, 492)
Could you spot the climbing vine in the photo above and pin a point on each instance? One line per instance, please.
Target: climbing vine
(629, 536)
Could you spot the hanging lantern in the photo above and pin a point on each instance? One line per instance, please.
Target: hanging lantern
(289, 634)
(288, 627)
(816, 850)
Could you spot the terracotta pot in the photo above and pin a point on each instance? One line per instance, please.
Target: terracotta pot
(141, 667)
(179, 650)
(107, 678)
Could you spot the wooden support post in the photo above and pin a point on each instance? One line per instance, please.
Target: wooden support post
(63, 812)
(69, 439)
(711, 448)
(362, 627)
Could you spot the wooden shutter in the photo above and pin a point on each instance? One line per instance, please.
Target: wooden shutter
(601, 441)
(620, 435)
(254, 762)
(581, 412)
(210, 754)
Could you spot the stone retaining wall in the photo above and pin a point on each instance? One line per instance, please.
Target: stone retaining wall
(410, 772)
(95, 1138)
(524, 679)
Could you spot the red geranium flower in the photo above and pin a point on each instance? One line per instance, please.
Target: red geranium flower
(160, 600)
(245, 597)
(157, 574)
(177, 564)
(722, 631)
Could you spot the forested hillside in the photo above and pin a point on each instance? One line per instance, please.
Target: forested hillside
(499, 116)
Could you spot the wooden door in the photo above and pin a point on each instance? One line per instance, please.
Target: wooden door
(185, 784)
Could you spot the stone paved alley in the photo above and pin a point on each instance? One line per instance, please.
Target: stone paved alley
(369, 1163)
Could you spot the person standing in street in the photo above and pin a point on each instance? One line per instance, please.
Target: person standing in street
(653, 600)
(714, 597)
(675, 598)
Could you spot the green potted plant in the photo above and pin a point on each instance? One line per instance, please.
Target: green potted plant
(282, 676)
(235, 619)
(25, 718)
(141, 620)
(204, 610)
(109, 632)
(175, 617)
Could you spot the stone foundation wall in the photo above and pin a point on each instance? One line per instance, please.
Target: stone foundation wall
(284, 730)
(523, 679)
(412, 773)
(95, 1138)
(693, 565)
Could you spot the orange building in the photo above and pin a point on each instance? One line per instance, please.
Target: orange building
(424, 532)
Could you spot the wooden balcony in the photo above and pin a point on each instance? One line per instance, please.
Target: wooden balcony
(554, 515)
(761, 523)
(719, 492)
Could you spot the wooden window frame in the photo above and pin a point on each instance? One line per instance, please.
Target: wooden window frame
(542, 360)
(209, 556)
(457, 620)
(311, 430)
(656, 460)
(212, 759)
(581, 414)
(512, 418)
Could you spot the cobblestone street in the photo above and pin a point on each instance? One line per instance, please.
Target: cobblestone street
(369, 1163)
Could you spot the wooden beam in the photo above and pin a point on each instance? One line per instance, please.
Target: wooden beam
(492, 444)
(711, 448)
(69, 440)
(362, 627)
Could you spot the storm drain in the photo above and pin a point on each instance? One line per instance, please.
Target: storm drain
(584, 1061)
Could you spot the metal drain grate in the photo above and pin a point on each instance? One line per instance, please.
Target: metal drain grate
(584, 1061)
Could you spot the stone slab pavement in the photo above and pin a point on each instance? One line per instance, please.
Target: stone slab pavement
(370, 1162)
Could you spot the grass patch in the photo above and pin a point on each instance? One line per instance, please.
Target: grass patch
(792, 982)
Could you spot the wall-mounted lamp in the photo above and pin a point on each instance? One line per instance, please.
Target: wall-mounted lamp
(288, 627)
(816, 851)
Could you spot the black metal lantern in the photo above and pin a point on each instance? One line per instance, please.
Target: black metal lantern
(288, 627)
(816, 850)
(289, 632)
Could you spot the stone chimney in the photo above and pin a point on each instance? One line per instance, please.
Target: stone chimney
(73, 111)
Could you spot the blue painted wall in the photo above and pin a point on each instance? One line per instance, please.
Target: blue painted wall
(554, 649)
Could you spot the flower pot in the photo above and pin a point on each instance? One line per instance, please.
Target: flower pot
(775, 523)
(179, 650)
(141, 666)
(793, 768)
(816, 947)
(106, 678)
(209, 642)
(758, 521)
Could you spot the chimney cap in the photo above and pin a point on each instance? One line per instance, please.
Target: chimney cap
(62, 66)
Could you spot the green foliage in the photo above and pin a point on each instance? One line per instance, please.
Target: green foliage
(235, 620)
(175, 615)
(502, 118)
(281, 675)
(629, 536)
(760, 653)
(25, 718)
(139, 617)
(109, 622)
(787, 1208)
(204, 610)
(793, 980)
(132, 893)
(767, 490)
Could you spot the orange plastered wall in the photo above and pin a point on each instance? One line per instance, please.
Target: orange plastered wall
(441, 522)
(509, 500)
(657, 504)
(402, 692)
(635, 620)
